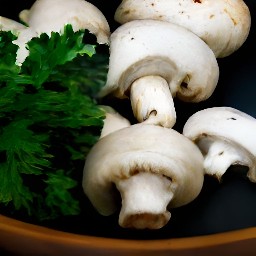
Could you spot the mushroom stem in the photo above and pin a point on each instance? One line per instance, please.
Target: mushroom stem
(220, 156)
(152, 101)
(145, 197)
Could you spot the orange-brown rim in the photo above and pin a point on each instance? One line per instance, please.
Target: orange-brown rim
(32, 231)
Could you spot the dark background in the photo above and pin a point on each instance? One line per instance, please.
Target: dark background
(228, 205)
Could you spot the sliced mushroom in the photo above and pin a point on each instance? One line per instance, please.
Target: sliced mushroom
(153, 168)
(223, 24)
(226, 136)
(46, 16)
(152, 61)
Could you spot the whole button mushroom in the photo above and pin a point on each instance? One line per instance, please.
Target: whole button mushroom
(223, 24)
(153, 61)
(226, 136)
(46, 16)
(153, 168)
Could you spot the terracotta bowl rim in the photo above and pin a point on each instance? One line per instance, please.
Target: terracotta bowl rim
(32, 231)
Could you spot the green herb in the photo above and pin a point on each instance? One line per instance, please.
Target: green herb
(49, 120)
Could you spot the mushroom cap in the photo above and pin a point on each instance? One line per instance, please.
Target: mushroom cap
(113, 121)
(226, 123)
(223, 24)
(10, 25)
(150, 47)
(142, 148)
(47, 16)
(226, 137)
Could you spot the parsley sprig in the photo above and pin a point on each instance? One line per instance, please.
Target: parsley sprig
(49, 120)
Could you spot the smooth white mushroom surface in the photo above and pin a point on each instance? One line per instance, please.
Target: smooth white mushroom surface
(223, 24)
(46, 16)
(7, 24)
(226, 137)
(24, 37)
(153, 61)
(153, 169)
(113, 121)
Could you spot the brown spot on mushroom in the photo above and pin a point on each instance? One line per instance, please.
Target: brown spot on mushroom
(126, 12)
(197, 1)
(212, 16)
(221, 153)
(122, 175)
(234, 21)
(134, 171)
(230, 16)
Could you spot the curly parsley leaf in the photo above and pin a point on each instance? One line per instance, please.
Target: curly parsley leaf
(49, 120)
(8, 71)
(48, 53)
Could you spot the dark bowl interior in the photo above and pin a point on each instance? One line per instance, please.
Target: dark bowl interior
(226, 206)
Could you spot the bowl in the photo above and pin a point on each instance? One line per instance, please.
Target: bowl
(221, 220)
(19, 238)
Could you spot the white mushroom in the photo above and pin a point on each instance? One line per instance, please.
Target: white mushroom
(10, 25)
(154, 169)
(223, 24)
(153, 61)
(226, 136)
(46, 16)
(23, 33)
(113, 121)
(24, 37)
